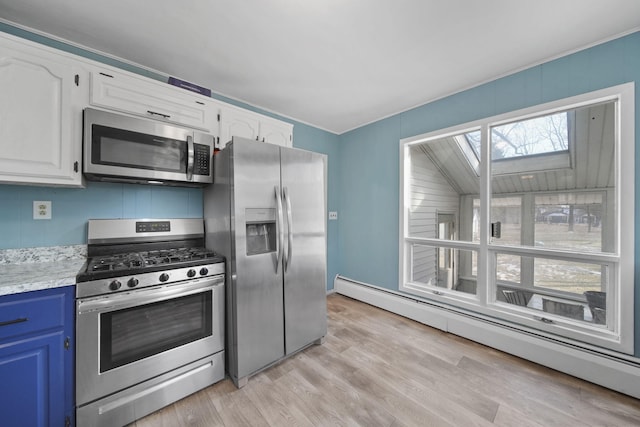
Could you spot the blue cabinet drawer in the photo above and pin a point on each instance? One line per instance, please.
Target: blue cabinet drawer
(31, 312)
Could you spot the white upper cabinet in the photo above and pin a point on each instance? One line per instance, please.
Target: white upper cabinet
(149, 98)
(247, 124)
(276, 132)
(237, 122)
(43, 92)
(40, 115)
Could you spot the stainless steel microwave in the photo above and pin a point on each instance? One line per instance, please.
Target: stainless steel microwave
(121, 148)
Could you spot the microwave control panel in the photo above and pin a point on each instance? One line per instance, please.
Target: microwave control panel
(201, 159)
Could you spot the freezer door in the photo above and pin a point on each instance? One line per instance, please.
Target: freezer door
(257, 276)
(304, 200)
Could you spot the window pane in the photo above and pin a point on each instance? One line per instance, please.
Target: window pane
(507, 269)
(445, 268)
(569, 221)
(506, 214)
(574, 290)
(565, 202)
(567, 276)
(547, 134)
(475, 237)
(423, 264)
(443, 182)
(473, 138)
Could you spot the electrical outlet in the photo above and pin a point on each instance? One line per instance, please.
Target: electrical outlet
(333, 215)
(41, 209)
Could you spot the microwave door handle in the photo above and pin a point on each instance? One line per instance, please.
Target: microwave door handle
(190, 157)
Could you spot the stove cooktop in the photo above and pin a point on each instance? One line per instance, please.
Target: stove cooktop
(125, 264)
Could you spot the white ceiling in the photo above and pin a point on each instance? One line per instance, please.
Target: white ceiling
(334, 64)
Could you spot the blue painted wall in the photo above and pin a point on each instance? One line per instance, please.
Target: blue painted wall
(369, 156)
(71, 208)
(368, 225)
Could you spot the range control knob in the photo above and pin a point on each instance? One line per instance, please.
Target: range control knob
(204, 271)
(191, 273)
(133, 282)
(115, 285)
(164, 277)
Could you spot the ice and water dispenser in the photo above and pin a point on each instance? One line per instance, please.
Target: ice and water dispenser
(261, 230)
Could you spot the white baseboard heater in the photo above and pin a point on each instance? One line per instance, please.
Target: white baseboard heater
(606, 370)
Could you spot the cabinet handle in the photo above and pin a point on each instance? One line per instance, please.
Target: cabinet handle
(153, 113)
(14, 321)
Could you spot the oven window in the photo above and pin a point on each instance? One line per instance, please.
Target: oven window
(142, 331)
(117, 147)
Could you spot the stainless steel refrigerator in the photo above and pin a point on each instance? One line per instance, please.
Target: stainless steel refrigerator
(266, 213)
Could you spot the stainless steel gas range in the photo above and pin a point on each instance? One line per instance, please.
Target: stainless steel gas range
(149, 319)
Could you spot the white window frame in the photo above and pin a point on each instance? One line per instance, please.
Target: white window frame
(619, 336)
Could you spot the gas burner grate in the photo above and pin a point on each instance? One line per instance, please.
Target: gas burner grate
(115, 262)
(162, 257)
(122, 264)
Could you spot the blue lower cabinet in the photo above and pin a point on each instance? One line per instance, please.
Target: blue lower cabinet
(37, 358)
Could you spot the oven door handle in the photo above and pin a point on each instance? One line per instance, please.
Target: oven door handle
(279, 229)
(146, 295)
(190, 157)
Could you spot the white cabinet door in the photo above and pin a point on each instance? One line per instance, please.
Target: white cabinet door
(237, 122)
(40, 117)
(152, 99)
(247, 124)
(276, 132)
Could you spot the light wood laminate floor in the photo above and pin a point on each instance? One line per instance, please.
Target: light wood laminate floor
(380, 369)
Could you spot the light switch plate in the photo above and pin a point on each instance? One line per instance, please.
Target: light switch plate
(41, 209)
(333, 215)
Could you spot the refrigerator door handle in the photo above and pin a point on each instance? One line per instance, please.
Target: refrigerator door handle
(287, 202)
(279, 225)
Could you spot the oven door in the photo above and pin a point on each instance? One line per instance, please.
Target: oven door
(130, 337)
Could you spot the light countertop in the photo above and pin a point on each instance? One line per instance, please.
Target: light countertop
(33, 269)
